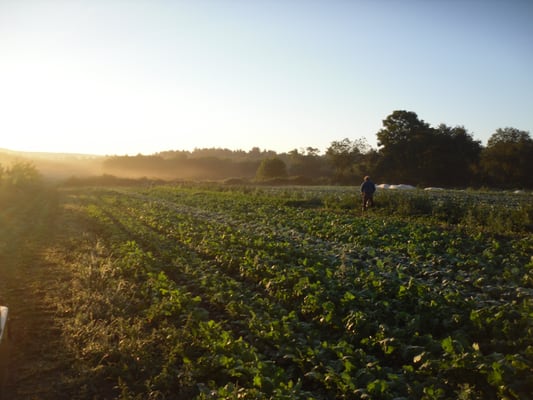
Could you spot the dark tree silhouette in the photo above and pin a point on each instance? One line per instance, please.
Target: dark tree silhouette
(404, 141)
(507, 161)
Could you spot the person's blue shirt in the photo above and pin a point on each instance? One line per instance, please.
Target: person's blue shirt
(368, 187)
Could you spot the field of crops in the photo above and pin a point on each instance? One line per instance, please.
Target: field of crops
(211, 292)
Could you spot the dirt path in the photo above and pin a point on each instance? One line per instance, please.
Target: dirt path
(38, 364)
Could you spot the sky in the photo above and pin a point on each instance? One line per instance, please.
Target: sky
(117, 77)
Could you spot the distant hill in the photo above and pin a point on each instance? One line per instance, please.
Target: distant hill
(56, 166)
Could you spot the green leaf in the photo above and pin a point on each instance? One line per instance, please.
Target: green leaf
(447, 345)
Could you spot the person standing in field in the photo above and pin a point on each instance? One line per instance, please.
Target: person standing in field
(367, 192)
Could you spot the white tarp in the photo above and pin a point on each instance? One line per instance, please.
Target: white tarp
(401, 186)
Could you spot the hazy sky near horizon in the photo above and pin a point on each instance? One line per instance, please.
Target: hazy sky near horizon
(128, 77)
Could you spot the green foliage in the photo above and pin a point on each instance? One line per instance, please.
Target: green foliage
(311, 166)
(495, 212)
(226, 292)
(20, 175)
(18, 181)
(507, 161)
(271, 168)
(412, 151)
(346, 157)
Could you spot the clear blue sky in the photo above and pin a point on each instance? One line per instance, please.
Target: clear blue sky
(131, 76)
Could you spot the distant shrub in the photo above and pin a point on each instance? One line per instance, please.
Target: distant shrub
(20, 175)
(17, 181)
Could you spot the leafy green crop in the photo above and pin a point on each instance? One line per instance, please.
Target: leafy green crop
(282, 294)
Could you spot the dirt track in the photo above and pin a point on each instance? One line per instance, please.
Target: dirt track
(32, 282)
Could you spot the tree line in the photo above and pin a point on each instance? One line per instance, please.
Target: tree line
(409, 151)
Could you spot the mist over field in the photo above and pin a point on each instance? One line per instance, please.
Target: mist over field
(56, 166)
(410, 151)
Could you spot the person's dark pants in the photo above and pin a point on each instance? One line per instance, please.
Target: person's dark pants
(368, 200)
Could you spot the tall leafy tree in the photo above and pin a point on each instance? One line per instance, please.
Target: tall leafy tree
(413, 152)
(507, 161)
(454, 155)
(307, 164)
(403, 141)
(345, 156)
